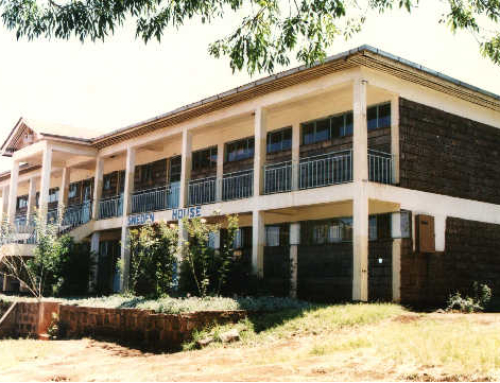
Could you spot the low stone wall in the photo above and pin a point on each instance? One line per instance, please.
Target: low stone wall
(139, 327)
(143, 328)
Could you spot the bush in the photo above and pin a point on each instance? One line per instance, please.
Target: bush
(153, 250)
(481, 297)
(205, 270)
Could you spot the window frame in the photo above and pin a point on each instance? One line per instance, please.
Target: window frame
(248, 148)
(281, 132)
(344, 130)
(212, 151)
(377, 107)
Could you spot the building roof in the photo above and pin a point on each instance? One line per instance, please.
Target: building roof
(364, 55)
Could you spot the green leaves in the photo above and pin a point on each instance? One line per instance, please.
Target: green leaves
(270, 33)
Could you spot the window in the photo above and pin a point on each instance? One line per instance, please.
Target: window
(379, 116)
(238, 239)
(22, 202)
(146, 173)
(73, 190)
(319, 234)
(279, 140)
(240, 150)
(372, 228)
(272, 235)
(107, 181)
(328, 128)
(175, 169)
(53, 195)
(205, 158)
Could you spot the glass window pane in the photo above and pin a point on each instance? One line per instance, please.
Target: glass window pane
(372, 228)
(348, 124)
(287, 139)
(322, 130)
(346, 229)
(371, 116)
(384, 116)
(337, 126)
(307, 133)
(319, 234)
(334, 233)
(272, 236)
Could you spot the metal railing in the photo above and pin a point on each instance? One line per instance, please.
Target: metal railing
(278, 177)
(202, 191)
(380, 167)
(156, 199)
(237, 185)
(111, 207)
(326, 169)
(77, 215)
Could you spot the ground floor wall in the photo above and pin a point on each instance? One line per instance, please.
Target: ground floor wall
(472, 253)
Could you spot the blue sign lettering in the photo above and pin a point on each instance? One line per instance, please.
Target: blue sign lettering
(189, 212)
(140, 219)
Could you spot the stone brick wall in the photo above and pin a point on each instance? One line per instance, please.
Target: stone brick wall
(139, 327)
(472, 253)
(447, 154)
(380, 273)
(143, 328)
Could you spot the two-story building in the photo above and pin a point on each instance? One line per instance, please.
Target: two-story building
(364, 177)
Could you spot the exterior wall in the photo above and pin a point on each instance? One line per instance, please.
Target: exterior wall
(447, 154)
(277, 269)
(472, 254)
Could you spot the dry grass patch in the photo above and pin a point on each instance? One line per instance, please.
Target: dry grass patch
(13, 352)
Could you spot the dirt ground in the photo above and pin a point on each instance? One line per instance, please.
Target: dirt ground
(282, 360)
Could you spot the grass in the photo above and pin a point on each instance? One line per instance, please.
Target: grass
(171, 305)
(348, 342)
(384, 335)
(315, 320)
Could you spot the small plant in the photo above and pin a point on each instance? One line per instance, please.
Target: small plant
(53, 329)
(480, 299)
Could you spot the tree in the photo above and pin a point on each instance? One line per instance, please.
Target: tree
(269, 32)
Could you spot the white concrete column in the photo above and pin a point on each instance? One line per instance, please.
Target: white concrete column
(220, 170)
(45, 184)
(294, 257)
(5, 202)
(62, 203)
(360, 199)
(260, 150)
(31, 200)
(258, 240)
(98, 181)
(440, 232)
(94, 251)
(127, 209)
(295, 155)
(360, 132)
(185, 167)
(395, 136)
(14, 177)
(396, 270)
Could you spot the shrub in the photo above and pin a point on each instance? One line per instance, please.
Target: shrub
(153, 257)
(481, 297)
(205, 270)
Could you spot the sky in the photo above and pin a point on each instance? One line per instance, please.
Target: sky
(113, 84)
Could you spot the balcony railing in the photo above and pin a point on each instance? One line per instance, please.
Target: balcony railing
(156, 199)
(237, 185)
(278, 177)
(202, 191)
(326, 169)
(77, 215)
(20, 220)
(381, 167)
(111, 207)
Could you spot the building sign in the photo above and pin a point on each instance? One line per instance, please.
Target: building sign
(189, 212)
(140, 219)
